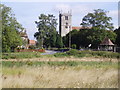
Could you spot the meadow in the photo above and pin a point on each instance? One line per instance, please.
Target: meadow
(73, 69)
(62, 74)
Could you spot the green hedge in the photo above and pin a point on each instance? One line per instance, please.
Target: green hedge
(72, 52)
(77, 53)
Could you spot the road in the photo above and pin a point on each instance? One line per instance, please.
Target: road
(49, 52)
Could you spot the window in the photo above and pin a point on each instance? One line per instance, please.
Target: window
(66, 17)
(66, 26)
(66, 23)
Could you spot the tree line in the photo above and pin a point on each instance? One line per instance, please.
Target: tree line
(96, 26)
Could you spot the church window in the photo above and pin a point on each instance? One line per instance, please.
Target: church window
(66, 23)
(66, 26)
(66, 17)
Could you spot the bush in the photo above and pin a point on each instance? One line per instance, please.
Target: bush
(60, 54)
(73, 52)
(74, 46)
(76, 53)
(32, 47)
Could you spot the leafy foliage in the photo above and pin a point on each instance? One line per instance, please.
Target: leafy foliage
(84, 37)
(10, 30)
(76, 53)
(46, 35)
(59, 42)
(98, 19)
(117, 31)
(73, 46)
(72, 52)
(32, 47)
(96, 27)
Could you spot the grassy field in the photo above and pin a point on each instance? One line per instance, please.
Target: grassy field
(73, 52)
(21, 55)
(62, 74)
(73, 69)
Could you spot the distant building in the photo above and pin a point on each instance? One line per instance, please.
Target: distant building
(106, 45)
(65, 25)
(25, 38)
(32, 42)
(78, 28)
(26, 41)
(24, 35)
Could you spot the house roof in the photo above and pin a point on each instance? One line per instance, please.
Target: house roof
(106, 41)
(23, 34)
(33, 42)
(78, 28)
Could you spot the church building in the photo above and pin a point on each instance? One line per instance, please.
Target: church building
(65, 23)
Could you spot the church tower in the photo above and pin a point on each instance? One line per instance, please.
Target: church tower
(65, 25)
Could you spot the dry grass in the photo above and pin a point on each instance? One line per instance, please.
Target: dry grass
(60, 77)
(0, 79)
(65, 59)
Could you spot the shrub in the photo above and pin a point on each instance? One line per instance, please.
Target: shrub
(73, 52)
(32, 47)
(74, 46)
(60, 54)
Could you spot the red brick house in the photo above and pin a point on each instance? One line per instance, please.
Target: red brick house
(32, 42)
(78, 28)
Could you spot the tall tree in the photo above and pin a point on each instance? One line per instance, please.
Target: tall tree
(10, 30)
(85, 37)
(97, 19)
(59, 42)
(46, 34)
(117, 31)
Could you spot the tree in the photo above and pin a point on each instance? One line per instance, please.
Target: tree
(73, 46)
(117, 31)
(46, 34)
(66, 38)
(10, 30)
(59, 42)
(97, 19)
(85, 37)
(95, 36)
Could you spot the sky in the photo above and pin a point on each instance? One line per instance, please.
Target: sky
(27, 13)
